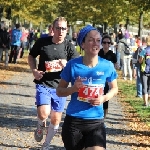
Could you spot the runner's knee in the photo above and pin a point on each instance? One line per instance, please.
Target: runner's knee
(55, 117)
(43, 112)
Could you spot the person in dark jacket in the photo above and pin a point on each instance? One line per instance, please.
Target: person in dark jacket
(4, 43)
(108, 55)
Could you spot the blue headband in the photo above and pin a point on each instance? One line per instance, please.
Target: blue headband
(83, 33)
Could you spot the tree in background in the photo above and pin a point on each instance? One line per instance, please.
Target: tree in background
(106, 13)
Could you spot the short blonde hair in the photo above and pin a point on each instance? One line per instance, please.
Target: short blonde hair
(59, 19)
(148, 40)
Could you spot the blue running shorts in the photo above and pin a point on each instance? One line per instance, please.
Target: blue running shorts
(47, 96)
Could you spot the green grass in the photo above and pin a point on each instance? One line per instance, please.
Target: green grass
(128, 91)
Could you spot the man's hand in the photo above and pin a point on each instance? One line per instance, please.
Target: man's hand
(134, 74)
(62, 62)
(4, 46)
(37, 74)
(116, 65)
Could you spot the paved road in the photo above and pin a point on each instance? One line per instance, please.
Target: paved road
(18, 118)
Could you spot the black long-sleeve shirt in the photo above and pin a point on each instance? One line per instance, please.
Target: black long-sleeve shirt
(4, 39)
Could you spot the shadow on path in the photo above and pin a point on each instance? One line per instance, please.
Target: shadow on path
(13, 83)
(17, 94)
(128, 144)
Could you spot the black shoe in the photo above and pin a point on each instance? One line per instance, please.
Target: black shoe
(138, 96)
(14, 62)
(146, 105)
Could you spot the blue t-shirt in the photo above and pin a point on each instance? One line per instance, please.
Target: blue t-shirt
(44, 35)
(16, 37)
(143, 53)
(98, 75)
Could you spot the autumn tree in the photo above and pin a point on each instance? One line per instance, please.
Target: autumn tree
(143, 8)
(107, 13)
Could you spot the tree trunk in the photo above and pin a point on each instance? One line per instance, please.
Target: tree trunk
(17, 20)
(94, 19)
(84, 22)
(140, 25)
(115, 28)
(1, 12)
(74, 28)
(105, 26)
(94, 24)
(70, 31)
(127, 24)
(30, 25)
(41, 29)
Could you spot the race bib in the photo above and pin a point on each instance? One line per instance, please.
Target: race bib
(89, 91)
(53, 66)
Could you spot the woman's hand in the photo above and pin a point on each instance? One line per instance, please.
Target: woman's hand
(97, 101)
(77, 84)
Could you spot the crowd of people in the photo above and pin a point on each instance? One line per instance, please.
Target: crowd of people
(14, 41)
(133, 58)
(93, 77)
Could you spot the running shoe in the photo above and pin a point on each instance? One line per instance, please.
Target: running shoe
(38, 133)
(46, 146)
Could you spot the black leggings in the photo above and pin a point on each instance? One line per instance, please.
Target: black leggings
(106, 89)
(14, 53)
(145, 79)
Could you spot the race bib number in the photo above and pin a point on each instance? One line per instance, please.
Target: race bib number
(53, 66)
(88, 92)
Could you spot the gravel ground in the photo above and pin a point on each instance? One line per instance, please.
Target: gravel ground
(18, 118)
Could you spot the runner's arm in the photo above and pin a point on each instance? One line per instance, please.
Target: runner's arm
(113, 90)
(108, 96)
(36, 73)
(140, 59)
(63, 90)
(34, 52)
(32, 62)
(142, 55)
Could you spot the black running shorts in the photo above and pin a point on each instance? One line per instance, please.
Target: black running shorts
(82, 133)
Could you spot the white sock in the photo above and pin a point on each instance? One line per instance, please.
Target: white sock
(51, 132)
